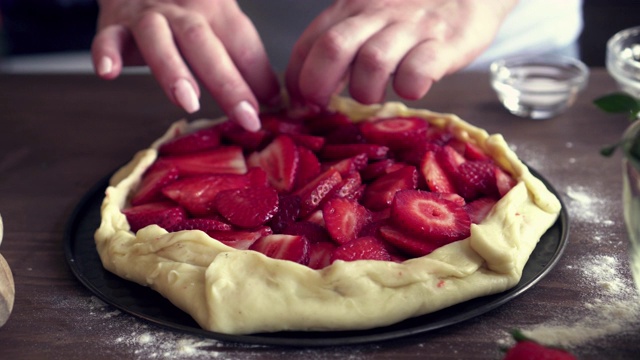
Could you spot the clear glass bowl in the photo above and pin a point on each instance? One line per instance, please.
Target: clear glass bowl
(623, 60)
(538, 87)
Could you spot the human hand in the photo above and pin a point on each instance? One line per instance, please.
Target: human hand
(184, 40)
(412, 43)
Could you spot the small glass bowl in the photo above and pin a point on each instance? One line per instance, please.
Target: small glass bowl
(538, 87)
(623, 60)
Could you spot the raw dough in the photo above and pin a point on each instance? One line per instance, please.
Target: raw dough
(240, 292)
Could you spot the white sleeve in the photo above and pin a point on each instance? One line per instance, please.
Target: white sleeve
(533, 28)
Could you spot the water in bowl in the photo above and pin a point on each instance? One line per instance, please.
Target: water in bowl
(537, 92)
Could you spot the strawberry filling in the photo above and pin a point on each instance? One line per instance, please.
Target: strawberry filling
(321, 189)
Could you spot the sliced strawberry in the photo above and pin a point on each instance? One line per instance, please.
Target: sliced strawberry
(398, 258)
(376, 169)
(315, 217)
(348, 188)
(164, 214)
(379, 194)
(343, 151)
(397, 166)
(372, 227)
(344, 219)
(409, 244)
(203, 224)
(449, 160)
(415, 154)
(247, 207)
(358, 193)
(435, 178)
(155, 178)
(288, 211)
(320, 254)
(345, 134)
(453, 197)
(201, 140)
(249, 141)
(473, 152)
(240, 239)
(279, 124)
(322, 124)
(479, 209)
(427, 216)
(311, 195)
(438, 136)
(349, 165)
(282, 126)
(381, 215)
(280, 161)
(363, 248)
(476, 179)
(458, 145)
(313, 232)
(196, 194)
(308, 167)
(396, 133)
(311, 142)
(284, 247)
(257, 177)
(504, 181)
(222, 160)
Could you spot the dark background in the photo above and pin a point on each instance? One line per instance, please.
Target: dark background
(46, 26)
(602, 19)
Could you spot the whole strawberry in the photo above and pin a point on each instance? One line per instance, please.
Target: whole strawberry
(526, 349)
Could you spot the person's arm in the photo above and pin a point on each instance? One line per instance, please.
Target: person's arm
(187, 42)
(369, 43)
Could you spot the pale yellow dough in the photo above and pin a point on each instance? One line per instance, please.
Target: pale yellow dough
(240, 292)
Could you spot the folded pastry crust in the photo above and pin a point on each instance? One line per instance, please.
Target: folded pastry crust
(240, 291)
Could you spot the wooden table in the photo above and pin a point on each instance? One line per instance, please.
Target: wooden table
(61, 134)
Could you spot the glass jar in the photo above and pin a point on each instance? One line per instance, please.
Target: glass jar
(631, 197)
(623, 60)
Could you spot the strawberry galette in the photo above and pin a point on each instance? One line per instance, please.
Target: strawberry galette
(357, 218)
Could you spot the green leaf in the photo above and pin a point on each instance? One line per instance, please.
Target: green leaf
(619, 103)
(518, 335)
(609, 150)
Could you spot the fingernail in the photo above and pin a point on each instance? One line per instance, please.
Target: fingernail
(105, 66)
(186, 96)
(246, 116)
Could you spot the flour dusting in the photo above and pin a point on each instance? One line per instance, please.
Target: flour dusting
(611, 307)
(122, 333)
(585, 206)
